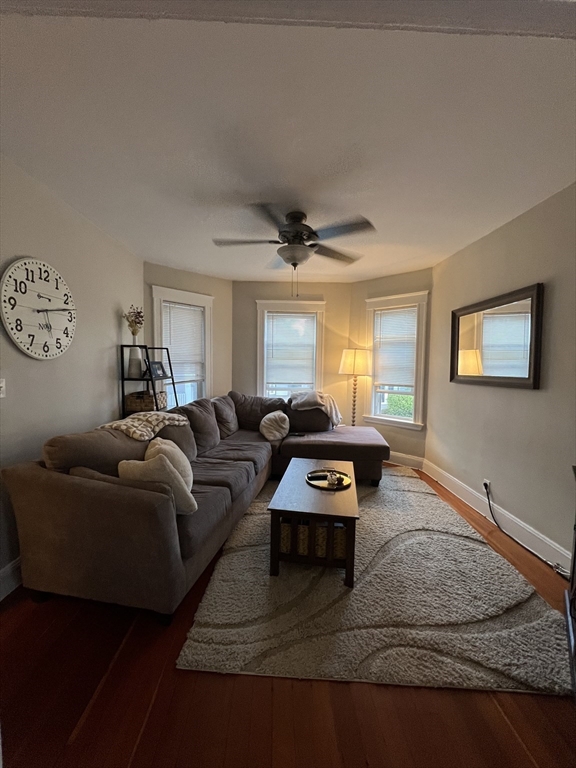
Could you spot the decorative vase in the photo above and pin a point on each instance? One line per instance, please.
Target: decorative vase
(135, 361)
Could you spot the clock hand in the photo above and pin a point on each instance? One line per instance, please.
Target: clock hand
(63, 309)
(49, 325)
(41, 296)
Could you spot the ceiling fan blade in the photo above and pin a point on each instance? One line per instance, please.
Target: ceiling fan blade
(344, 228)
(267, 212)
(322, 250)
(220, 243)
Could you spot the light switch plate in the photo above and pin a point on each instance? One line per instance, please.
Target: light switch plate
(2, 387)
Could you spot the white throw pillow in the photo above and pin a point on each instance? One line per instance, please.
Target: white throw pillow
(175, 456)
(160, 470)
(275, 426)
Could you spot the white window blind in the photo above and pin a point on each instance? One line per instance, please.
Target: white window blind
(289, 353)
(395, 347)
(183, 332)
(506, 344)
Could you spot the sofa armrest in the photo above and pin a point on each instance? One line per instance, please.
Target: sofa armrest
(96, 540)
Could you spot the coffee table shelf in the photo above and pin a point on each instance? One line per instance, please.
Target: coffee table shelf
(297, 504)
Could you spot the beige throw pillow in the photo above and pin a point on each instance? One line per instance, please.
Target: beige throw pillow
(160, 470)
(175, 456)
(275, 425)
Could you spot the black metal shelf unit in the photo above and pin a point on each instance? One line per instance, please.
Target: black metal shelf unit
(149, 380)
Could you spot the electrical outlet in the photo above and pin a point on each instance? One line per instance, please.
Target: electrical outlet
(2, 387)
(486, 483)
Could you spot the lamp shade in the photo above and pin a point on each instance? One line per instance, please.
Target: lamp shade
(356, 362)
(469, 362)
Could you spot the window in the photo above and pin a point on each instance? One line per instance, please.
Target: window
(396, 329)
(182, 322)
(289, 347)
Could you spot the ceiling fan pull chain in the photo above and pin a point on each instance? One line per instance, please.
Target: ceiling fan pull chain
(297, 285)
(292, 284)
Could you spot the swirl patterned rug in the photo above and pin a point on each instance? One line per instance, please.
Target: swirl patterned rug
(432, 605)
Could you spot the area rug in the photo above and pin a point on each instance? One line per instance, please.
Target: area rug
(432, 605)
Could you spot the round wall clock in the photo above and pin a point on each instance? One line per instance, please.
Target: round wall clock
(37, 309)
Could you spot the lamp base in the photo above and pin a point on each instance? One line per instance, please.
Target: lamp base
(354, 393)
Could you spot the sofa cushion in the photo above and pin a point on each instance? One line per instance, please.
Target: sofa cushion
(195, 530)
(175, 456)
(160, 470)
(202, 419)
(251, 409)
(258, 453)
(274, 426)
(91, 474)
(313, 420)
(234, 475)
(344, 443)
(100, 449)
(225, 415)
(182, 436)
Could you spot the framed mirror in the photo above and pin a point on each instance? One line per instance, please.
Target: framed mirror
(498, 341)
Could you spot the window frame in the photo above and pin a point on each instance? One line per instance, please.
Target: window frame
(420, 301)
(161, 294)
(296, 307)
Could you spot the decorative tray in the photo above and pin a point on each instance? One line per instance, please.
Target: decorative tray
(328, 479)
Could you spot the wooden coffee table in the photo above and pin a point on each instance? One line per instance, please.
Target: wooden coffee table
(298, 504)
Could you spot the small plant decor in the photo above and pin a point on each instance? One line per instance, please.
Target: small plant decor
(135, 319)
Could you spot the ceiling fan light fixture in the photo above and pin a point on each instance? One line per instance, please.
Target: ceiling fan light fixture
(295, 255)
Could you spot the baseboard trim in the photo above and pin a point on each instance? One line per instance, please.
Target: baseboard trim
(10, 578)
(519, 530)
(406, 460)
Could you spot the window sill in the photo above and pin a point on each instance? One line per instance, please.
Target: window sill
(386, 420)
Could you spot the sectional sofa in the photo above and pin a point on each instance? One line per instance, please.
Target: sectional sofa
(88, 533)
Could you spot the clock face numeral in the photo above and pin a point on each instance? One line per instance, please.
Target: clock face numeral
(20, 286)
(37, 309)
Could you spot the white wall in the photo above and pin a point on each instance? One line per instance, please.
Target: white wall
(78, 390)
(523, 441)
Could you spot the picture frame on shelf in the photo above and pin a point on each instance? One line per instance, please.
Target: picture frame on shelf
(157, 370)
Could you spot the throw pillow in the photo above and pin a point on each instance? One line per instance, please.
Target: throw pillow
(175, 456)
(202, 419)
(182, 436)
(275, 425)
(225, 415)
(159, 470)
(251, 409)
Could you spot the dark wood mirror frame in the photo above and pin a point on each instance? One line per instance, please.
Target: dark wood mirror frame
(532, 381)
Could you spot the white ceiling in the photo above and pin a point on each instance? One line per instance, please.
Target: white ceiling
(162, 132)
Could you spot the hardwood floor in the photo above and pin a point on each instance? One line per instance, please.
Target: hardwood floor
(88, 685)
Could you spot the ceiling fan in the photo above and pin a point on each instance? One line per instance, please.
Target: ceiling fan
(297, 240)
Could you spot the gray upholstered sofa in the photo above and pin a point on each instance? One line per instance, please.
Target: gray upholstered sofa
(86, 532)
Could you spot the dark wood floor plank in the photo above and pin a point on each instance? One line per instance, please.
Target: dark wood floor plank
(52, 699)
(326, 752)
(168, 744)
(304, 725)
(283, 734)
(348, 733)
(261, 723)
(396, 731)
(237, 754)
(543, 725)
(203, 744)
(372, 736)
